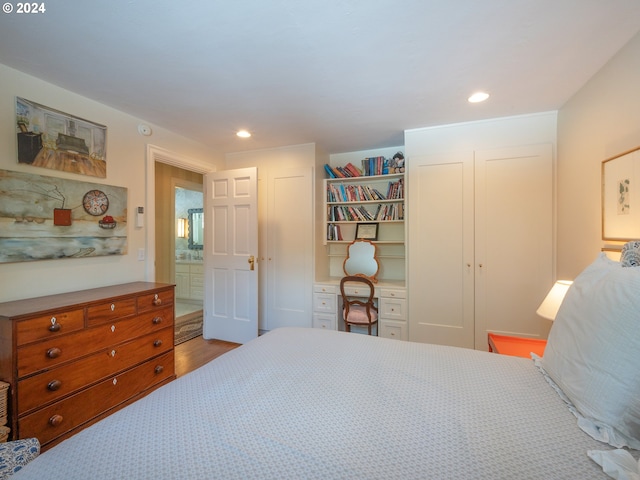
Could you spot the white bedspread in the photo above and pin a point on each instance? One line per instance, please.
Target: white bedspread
(309, 403)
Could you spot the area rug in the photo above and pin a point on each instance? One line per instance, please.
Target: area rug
(188, 327)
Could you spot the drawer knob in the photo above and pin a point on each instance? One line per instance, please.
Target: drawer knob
(113, 307)
(159, 369)
(113, 353)
(55, 326)
(54, 352)
(157, 320)
(56, 420)
(54, 385)
(157, 300)
(157, 343)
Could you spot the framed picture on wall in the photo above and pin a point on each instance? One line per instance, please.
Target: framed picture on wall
(367, 231)
(48, 138)
(621, 196)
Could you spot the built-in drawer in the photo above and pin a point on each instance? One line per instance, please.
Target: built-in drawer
(320, 288)
(61, 417)
(324, 321)
(393, 330)
(324, 302)
(49, 326)
(51, 352)
(354, 291)
(197, 269)
(50, 385)
(155, 300)
(182, 268)
(392, 293)
(110, 311)
(392, 308)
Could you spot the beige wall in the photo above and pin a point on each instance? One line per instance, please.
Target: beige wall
(600, 121)
(126, 167)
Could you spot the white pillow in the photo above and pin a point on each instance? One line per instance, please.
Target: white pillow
(593, 351)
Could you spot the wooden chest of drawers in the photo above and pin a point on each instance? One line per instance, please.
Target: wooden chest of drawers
(74, 358)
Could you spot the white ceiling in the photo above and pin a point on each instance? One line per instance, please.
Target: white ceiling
(346, 74)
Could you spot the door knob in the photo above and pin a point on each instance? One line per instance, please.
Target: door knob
(252, 262)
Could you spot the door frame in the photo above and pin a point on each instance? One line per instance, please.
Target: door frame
(162, 155)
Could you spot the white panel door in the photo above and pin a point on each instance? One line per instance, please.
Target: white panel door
(289, 286)
(513, 239)
(440, 249)
(230, 248)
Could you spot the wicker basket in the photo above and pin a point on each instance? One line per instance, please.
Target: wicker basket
(4, 389)
(4, 434)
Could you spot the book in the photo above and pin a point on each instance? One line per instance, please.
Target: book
(329, 170)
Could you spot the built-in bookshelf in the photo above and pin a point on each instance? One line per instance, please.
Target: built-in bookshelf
(371, 199)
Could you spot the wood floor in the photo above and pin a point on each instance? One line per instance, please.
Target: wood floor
(198, 351)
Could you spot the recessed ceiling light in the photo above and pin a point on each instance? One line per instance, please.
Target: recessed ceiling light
(478, 97)
(243, 134)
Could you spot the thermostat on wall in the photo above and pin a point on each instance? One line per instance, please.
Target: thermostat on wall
(140, 217)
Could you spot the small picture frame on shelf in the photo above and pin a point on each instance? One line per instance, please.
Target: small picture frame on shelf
(367, 231)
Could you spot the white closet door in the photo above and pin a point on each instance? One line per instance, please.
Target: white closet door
(289, 263)
(440, 249)
(513, 239)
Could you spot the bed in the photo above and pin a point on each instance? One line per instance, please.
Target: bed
(309, 403)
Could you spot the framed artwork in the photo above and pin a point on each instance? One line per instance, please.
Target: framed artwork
(367, 231)
(52, 218)
(48, 138)
(621, 196)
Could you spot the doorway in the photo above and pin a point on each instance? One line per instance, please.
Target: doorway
(178, 190)
(188, 243)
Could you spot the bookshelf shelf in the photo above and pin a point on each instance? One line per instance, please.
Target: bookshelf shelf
(365, 199)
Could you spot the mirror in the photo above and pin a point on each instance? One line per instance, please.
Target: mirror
(362, 260)
(196, 228)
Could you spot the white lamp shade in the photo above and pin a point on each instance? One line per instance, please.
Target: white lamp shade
(549, 307)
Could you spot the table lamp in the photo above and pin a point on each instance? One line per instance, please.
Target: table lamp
(549, 307)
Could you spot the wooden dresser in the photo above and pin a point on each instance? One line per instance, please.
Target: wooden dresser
(74, 358)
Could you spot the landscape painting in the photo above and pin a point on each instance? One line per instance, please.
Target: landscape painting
(45, 217)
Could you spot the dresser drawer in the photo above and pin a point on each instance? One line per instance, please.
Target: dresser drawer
(49, 326)
(51, 352)
(48, 386)
(59, 418)
(152, 301)
(110, 311)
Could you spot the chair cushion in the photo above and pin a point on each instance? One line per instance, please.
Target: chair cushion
(15, 455)
(358, 314)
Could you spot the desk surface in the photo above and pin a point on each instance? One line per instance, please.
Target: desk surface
(380, 283)
(516, 346)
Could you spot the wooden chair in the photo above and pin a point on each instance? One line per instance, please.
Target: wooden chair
(357, 310)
